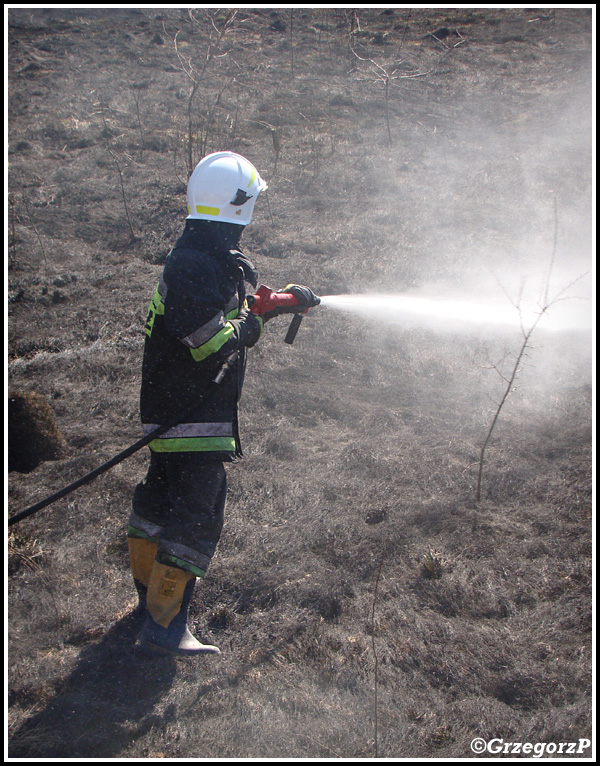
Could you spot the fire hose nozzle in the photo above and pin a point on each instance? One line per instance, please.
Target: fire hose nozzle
(267, 302)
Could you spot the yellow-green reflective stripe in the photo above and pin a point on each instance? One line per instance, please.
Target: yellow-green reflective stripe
(157, 302)
(140, 534)
(204, 210)
(213, 345)
(156, 307)
(191, 430)
(185, 565)
(201, 444)
(252, 178)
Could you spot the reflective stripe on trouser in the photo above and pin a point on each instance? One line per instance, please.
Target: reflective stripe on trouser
(181, 503)
(193, 437)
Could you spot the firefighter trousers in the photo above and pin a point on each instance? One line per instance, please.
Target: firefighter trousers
(180, 505)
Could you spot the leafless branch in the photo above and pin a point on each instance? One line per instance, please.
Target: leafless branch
(527, 332)
(386, 78)
(108, 134)
(35, 229)
(196, 74)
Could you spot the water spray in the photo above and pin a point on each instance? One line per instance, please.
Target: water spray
(442, 313)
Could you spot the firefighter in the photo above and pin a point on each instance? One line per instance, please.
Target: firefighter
(198, 317)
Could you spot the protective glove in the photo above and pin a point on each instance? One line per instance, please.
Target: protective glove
(252, 327)
(305, 295)
(270, 314)
(247, 330)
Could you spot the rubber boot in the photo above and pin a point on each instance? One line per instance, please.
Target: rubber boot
(142, 553)
(165, 626)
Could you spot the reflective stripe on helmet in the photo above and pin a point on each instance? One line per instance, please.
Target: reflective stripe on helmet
(204, 210)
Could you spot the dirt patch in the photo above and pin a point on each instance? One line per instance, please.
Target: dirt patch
(33, 435)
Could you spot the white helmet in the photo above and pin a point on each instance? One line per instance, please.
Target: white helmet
(224, 187)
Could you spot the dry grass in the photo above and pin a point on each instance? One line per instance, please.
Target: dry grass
(361, 440)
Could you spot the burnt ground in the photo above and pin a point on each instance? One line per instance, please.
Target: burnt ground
(365, 601)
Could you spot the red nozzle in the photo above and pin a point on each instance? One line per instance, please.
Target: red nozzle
(266, 300)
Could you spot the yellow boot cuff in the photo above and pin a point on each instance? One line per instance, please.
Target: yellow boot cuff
(141, 558)
(165, 592)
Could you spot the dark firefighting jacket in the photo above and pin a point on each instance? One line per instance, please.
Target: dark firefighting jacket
(197, 318)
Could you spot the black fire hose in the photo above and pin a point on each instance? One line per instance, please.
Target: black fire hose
(126, 452)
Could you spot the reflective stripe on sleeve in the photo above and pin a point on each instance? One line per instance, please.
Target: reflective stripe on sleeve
(213, 345)
(203, 334)
(209, 338)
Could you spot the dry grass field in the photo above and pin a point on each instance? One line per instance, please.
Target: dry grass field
(366, 603)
